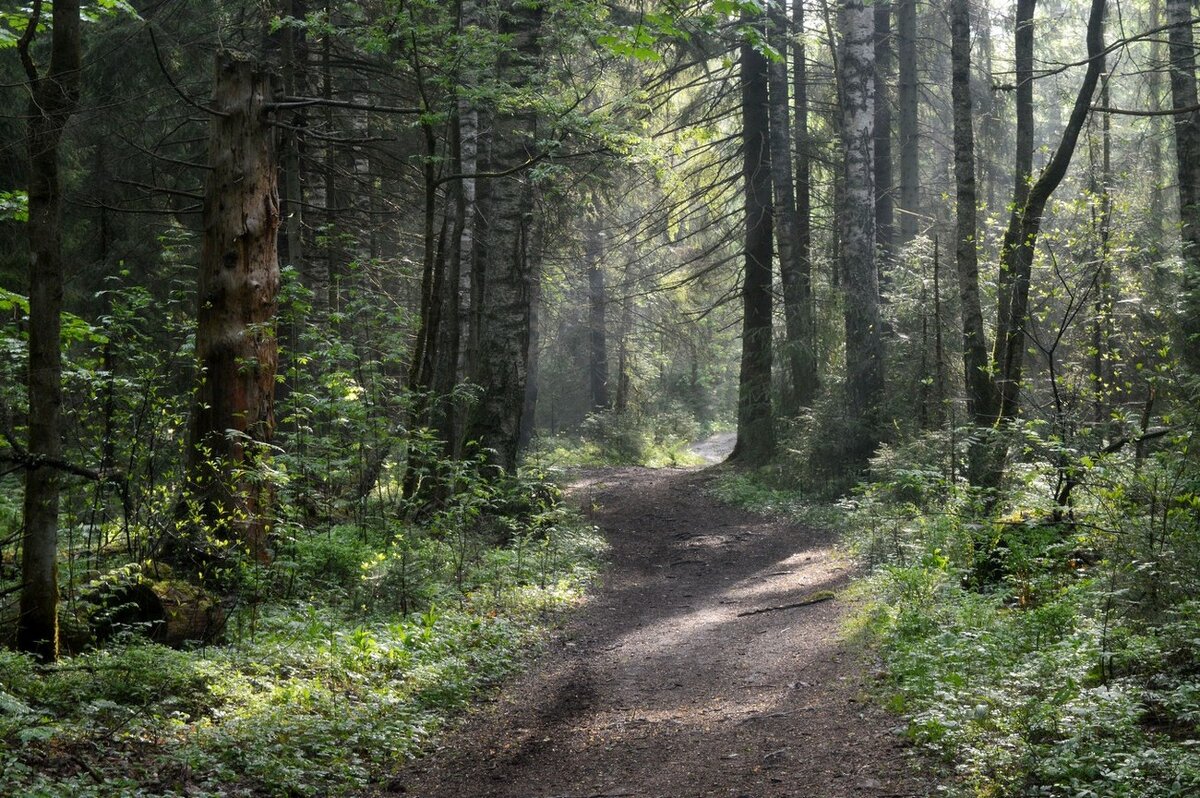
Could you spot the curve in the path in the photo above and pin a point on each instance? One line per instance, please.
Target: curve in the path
(660, 689)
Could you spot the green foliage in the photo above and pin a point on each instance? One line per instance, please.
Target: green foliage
(315, 696)
(1073, 669)
(610, 438)
(14, 205)
(765, 492)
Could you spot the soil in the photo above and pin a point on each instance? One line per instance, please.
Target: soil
(661, 686)
(715, 448)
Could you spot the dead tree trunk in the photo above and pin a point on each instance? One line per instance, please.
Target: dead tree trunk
(54, 96)
(233, 417)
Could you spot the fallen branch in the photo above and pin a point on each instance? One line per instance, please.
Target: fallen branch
(815, 598)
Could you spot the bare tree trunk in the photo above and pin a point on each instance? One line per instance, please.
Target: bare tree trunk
(982, 399)
(433, 273)
(597, 310)
(1187, 151)
(786, 233)
(621, 400)
(864, 342)
(1022, 173)
(1154, 141)
(1023, 57)
(1020, 240)
(529, 405)
(909, 135)
(805, 380)
(755, 430)
(294, 63)
(938, 416)
(321, 271)
(1102, 326)
(463, 249)
(446, 372)
(290, 44)
(885, 201)
(54, 97)
(507, 273)
(233, 415)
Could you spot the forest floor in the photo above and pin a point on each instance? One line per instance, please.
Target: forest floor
(664, 687)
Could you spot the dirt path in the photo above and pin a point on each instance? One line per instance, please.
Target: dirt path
(659, 689)
(715, 448)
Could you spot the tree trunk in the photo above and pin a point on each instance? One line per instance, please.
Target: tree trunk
(1187, 151)
(1023, 64)
(1020, 239)
(433, 275)
(1022, 172)
(1154, 148)
(909, 135)
(597, 311)
(464, 251)
(625, 325)
(864, 343)
(507, 273)
(1102, 324)
(805, 381)
(233, 413)
(290, 44)
(54, 97)
(446, 373)
(755, 431)
(797, 348)
(529, 405)
(885, 201)
(982, 399)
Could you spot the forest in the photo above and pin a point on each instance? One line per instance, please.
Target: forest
(599, 398)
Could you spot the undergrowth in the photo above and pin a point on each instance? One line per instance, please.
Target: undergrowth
(1042, 650)
(363, 644)
(609, 438)
(1049, 649)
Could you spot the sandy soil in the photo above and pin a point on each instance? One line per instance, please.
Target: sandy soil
(658, 688)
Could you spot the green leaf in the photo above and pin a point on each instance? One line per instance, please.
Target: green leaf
(14, 205)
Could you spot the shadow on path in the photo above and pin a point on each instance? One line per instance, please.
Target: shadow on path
(659, 689)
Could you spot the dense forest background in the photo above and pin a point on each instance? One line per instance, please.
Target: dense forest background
(304, 304)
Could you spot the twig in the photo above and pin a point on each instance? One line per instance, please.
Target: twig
(815, 598)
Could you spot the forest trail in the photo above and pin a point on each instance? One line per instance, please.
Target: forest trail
(660, 689)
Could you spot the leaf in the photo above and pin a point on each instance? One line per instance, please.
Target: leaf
(14, 205)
